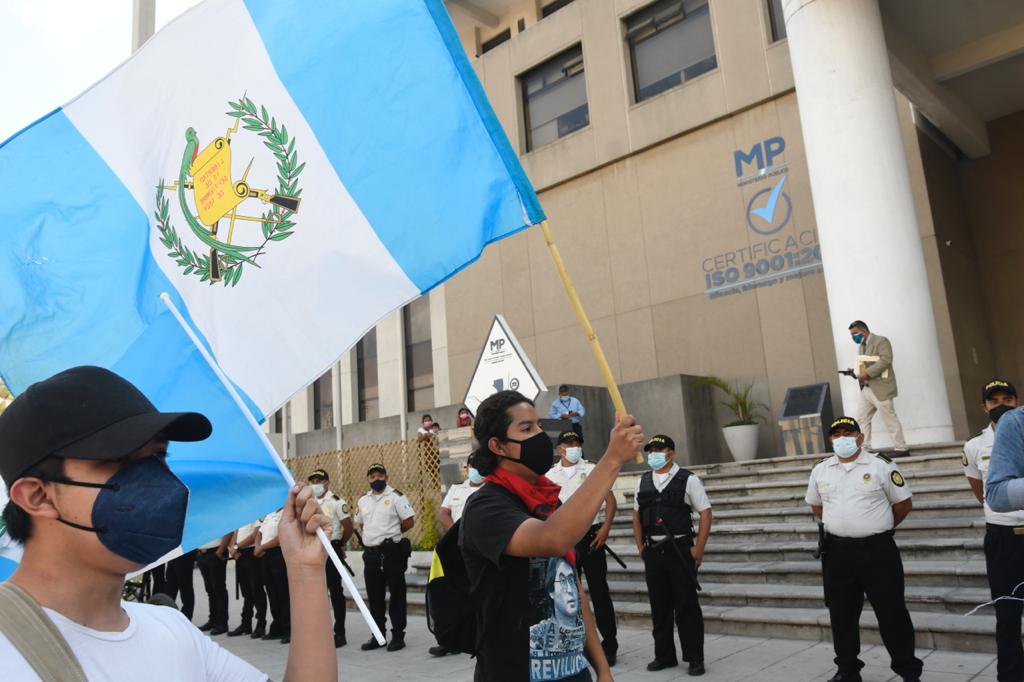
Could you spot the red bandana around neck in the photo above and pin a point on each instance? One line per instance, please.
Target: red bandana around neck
(541, 498)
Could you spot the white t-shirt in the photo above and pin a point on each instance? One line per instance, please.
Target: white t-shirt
(159, 645)
(456, 498)
(570, 479)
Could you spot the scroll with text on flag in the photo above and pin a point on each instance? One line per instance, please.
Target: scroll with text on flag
(289, 172)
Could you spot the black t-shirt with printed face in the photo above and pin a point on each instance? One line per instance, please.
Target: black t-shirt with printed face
(528, 609)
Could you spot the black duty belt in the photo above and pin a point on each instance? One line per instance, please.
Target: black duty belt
(869, 541)
(1004, 530)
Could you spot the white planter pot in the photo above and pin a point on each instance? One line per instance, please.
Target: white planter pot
(742, 441)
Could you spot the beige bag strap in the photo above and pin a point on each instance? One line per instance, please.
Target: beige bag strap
(25, 625)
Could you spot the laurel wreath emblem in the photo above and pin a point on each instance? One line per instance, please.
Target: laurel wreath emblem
(277, 222)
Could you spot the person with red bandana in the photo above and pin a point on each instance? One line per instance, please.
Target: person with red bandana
(517, 543)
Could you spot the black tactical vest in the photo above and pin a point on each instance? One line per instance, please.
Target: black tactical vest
(667, 508)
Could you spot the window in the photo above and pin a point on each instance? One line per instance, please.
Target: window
(555, 98)
(323, 402)
(552, 7)
(278, 423)
(777, 20)
(492, 43)
(670, 42)
(366, 369)
(419, 356)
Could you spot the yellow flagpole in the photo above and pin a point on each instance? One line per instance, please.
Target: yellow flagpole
(588, 329)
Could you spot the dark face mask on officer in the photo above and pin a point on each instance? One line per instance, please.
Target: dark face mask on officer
(139, 512)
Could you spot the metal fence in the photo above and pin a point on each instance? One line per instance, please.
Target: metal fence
(413, 468)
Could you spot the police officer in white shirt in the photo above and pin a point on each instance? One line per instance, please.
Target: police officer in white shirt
(569, 473)
(247, 573)
(861, 497)
(1004, 533)
(665, 498)
(383, 514)
(275, 578)
(450, 512)
(336, 510)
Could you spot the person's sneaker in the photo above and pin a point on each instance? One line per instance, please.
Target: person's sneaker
(656, 665)
(240, 630)
(696, 668)
(261, 629)
(371, 645)
(397, 642)
(611, 650)
(845, 677)
(286, 639)
(218, 629)
(440, 651)
(206, 627)
(339, 641)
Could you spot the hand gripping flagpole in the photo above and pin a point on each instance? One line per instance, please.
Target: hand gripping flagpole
(285, 471)
(588, 329)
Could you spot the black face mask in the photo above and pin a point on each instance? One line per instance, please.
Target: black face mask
(998, 411)
(536, 453)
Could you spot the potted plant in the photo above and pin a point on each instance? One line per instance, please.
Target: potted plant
(741, 433)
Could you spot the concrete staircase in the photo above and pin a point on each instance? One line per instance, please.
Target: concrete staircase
(759, 577)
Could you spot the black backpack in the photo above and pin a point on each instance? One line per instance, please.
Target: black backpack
(450, 614)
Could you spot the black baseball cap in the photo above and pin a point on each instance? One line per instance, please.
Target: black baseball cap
(319, 473)
(86, 413)
(841, 422)
(569, 436)
(660, 441)
(998, 386)
(377, 467)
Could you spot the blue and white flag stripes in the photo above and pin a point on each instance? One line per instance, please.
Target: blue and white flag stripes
(289, 171)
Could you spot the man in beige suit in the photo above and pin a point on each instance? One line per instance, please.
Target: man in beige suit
(877, 386)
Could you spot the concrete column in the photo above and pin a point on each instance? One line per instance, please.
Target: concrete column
(348, 383)
(143, 21)
(439, 347)
(301, 410)
(391, 365)
(870, 243)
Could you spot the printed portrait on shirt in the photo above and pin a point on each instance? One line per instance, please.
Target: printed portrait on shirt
(557, 640)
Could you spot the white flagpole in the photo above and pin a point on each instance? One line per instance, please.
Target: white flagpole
(285, 471)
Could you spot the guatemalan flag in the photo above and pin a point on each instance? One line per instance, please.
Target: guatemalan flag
(289, 172)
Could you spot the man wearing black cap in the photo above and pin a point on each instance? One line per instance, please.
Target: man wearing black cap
(383, 514)
(569, 473)
(1004, 532)
(665, 498)
(336, 509)
(861, 497)
(92, 499)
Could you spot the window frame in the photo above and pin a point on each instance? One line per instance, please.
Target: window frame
(496, 40)
(578, 68)
(361, 387)
(772, 37)
(552, 7)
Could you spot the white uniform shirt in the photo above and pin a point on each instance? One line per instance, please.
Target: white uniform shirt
(696, 496)
(336, 509)
(247, 530)
(455, 499)
(858, 502)
(268, 529)
(570, 479)
(381, 516)
(159, 645)
(977, 453)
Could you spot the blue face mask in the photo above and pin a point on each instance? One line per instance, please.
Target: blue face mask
(656, 460)
(858, 338)
(846, 446)
(378, 485)
(139, 513)
(475, 477)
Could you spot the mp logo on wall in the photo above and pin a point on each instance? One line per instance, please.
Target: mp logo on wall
(776, 255)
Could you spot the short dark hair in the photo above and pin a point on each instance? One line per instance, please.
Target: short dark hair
(859, 323)
(563, 387)
(17, 520)
(492, 421)
(426, 416)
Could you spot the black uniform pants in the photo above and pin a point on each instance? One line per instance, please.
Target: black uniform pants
(215, 580)
(250, 580)
(337, 592)
(1004, 559)
(673, 597)
(158, 576)
(384, 568)
(594, 565)
(871, 566)
(275, 578)
(179, 578)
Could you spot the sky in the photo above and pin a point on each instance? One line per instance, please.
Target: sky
(52, 50)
